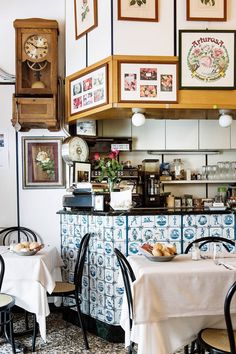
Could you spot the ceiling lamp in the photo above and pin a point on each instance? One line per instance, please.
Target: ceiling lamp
(138, 117)
(225, 119)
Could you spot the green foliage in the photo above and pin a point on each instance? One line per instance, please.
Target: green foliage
(137, 2)
(109, 167)
(208, 2)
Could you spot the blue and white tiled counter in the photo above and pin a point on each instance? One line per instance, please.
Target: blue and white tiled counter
(102, 294)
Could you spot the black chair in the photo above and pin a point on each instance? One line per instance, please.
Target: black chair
(226, 243)
(128, 277)
(211, 239)
(17, 234)
(6, 304)
(220, 341)
(74, 291)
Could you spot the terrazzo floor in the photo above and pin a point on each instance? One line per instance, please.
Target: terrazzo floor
(65, 338)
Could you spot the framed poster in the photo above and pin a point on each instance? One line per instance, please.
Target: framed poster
(206, 10)
(147, 82)
(82, 172)
(207, 59)
(85, 16)
(138, 10)
(88, 127)
(42, 162)
(88, 90)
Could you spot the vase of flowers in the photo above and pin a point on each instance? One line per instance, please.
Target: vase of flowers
(109, 167)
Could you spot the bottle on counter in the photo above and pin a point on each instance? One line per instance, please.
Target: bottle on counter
(178, 169)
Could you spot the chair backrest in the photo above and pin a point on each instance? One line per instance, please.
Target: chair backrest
(2, 271)
(17, 234)
(128, 277)
(79, 265)
(211, 239)
(228, 319)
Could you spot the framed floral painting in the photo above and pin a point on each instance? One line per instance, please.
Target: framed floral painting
(85, 16)
(138, 10)
(42, 162)
(206, 10)
(148, 82)
(207, 59)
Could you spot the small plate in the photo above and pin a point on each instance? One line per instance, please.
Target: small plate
(156, 258)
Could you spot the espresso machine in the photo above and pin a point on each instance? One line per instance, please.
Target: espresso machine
(151, 182)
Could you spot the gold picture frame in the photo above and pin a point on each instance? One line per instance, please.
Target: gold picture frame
(138, 10)
(42, 162)
(206, 10)
(86, 18)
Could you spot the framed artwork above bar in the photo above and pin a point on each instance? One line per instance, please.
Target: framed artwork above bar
(207, 59)
(206, 10)
(85, 12)
(138, 10)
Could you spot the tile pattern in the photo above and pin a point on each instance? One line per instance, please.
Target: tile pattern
(102, 288)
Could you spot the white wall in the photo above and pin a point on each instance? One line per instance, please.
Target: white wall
(37, 207)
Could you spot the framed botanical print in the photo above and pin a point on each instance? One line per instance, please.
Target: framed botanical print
(138, 10)
(206, 10)
(147, 82)
(207, 59)
(42, 162)
(85, 16)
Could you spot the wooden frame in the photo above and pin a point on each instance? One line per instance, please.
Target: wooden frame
(88, 90)
(42, 162)
(86, 18)
(147, 82)
(212, 10)
(207, 59)
(138, 10)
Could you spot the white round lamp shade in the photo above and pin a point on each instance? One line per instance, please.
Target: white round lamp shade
(225, 120)
(138, 119)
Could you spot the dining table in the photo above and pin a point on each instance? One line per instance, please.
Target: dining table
(30, 278)
(173, 301)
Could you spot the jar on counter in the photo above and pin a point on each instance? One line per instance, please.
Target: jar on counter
(178, 169)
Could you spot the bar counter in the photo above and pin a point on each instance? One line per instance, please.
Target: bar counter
(127, 230)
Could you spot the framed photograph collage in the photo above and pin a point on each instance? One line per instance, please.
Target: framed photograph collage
(89, 90)
(147, 82)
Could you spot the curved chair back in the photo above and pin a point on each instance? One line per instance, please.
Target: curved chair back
(228, 320)
(2, 271)
(211, 239)
(79, 265)
(17, 234)
(128, 277)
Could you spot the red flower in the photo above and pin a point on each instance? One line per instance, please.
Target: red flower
(112, 156)
(97, 156)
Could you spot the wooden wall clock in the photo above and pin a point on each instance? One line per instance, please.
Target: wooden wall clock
(36, 73)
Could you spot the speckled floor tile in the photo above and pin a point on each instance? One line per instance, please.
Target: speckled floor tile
(65, 338)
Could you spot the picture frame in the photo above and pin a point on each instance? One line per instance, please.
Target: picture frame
(207, 59)
(42, 162)
(88, 90)
(86, 128)
(153, 82)
(206, 10)
(81, 172)
(138, 10)
(86, 18)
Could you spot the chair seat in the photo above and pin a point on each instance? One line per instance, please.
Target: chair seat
(6, 301)
(217, 338)
(63, 287)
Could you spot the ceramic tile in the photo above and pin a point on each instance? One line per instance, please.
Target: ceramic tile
(174, 234)
(134, 221)
(189, 220)
(202, 220)
(189, 233)
(135, 234)
(174, 220)
(216, 231)
(215, 220)
(202, 232)
(148, 221)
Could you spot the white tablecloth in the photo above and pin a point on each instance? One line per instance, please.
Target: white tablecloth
(29, 278)
(174, 300)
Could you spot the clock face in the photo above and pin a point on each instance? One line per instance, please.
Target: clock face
(36, 47)
(78, 149)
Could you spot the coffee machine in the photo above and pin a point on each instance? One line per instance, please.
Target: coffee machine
(151, 182)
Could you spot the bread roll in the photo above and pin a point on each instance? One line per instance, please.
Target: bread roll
(157, 253)
(34, 245)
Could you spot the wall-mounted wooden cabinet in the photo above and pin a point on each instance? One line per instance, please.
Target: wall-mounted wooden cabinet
(191, 104)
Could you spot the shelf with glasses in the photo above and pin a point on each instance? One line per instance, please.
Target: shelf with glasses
(200, 181)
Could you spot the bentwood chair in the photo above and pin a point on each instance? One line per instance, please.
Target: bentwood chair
(6, 317)
(128, 277)
(74, 291)
(202, 242)
(226, 243)
(220, 341)
(15, 234)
